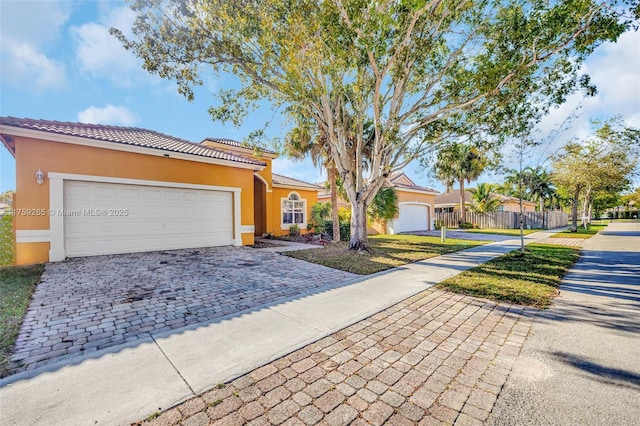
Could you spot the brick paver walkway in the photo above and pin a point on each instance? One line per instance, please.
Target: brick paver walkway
(435, 358)
(572, 242)
(86, 304)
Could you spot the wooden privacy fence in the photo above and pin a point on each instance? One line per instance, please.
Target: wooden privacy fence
(505, 220)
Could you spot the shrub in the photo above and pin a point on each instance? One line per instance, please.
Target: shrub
(294, 230)
(465, 225)
(345, 230)
(7, 256)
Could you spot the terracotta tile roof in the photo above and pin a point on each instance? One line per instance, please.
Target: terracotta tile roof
(128, 136)
(235, 144)
(287, 181)
(396, 178)
(453, 197)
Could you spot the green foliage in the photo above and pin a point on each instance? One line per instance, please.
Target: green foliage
(320, 214)
(7, 255)
(465, 225)
(384, 205)
(294, 230)
(484, 199)
(345, 230)
(603, 163)
(459, 162)
(383, 82)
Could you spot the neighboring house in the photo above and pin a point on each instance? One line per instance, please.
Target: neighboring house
(450, 201)
(415, 207)
(85, 189)
(3, 207)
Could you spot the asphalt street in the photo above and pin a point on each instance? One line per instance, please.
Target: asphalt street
(581, 362)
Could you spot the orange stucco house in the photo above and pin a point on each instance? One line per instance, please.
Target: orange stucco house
(86, 189)
(415, 207)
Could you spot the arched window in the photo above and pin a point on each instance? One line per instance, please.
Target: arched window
(294, 210)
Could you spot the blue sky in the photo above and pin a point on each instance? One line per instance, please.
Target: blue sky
(58, 62)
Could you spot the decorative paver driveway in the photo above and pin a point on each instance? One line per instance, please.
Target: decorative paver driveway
(435, 358)
(86, 304)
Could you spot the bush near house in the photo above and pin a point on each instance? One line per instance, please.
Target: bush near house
(7, 255)
(345, 230)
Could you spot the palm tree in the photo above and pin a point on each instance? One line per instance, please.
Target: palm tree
(484, 199)
(384, 205)
(460, 163)
(299, 143)
(540, 188)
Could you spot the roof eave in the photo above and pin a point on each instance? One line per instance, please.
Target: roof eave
(305, 188)
(120, 146)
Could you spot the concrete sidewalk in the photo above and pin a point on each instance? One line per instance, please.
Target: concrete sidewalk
(581, 363)
(130, 382)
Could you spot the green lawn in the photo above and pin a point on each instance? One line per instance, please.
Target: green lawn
(531, 279)
(387, 251)
(514, 232)
(16, 287)
(582, 233)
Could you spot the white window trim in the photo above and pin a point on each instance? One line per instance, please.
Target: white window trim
(56, 203)
(285, 226)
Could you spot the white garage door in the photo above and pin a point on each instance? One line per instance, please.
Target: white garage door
(412, 217)
(106, 218)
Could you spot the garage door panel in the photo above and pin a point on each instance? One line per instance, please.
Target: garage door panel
(412, 217)
(158, 218)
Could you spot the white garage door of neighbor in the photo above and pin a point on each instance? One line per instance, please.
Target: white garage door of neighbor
(412, 217)
(107, 218)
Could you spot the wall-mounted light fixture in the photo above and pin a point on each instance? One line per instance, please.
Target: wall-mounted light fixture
(39, 177)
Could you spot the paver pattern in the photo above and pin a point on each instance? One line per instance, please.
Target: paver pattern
(86, 304)
(435, 358)
(572, 242)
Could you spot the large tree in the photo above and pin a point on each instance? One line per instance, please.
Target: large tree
(406, 66)
(603, 162)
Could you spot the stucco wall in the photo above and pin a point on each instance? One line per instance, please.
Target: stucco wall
(275, 225)
(34, 154)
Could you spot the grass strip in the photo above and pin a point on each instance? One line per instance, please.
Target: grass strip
(532, 279)
(514, 232)
(17, 284)
(582, 233)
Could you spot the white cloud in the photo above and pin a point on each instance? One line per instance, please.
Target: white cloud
(22, 63)
(117, 115)
(34, 22)
(26, 30)
(101, 55)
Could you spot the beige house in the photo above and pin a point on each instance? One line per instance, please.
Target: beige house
(415, 207)
(450, 202)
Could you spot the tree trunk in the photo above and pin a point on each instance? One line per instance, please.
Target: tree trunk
(331, 175)
(358, 239)
(463, 207)
(574, 210)
(542, 212)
